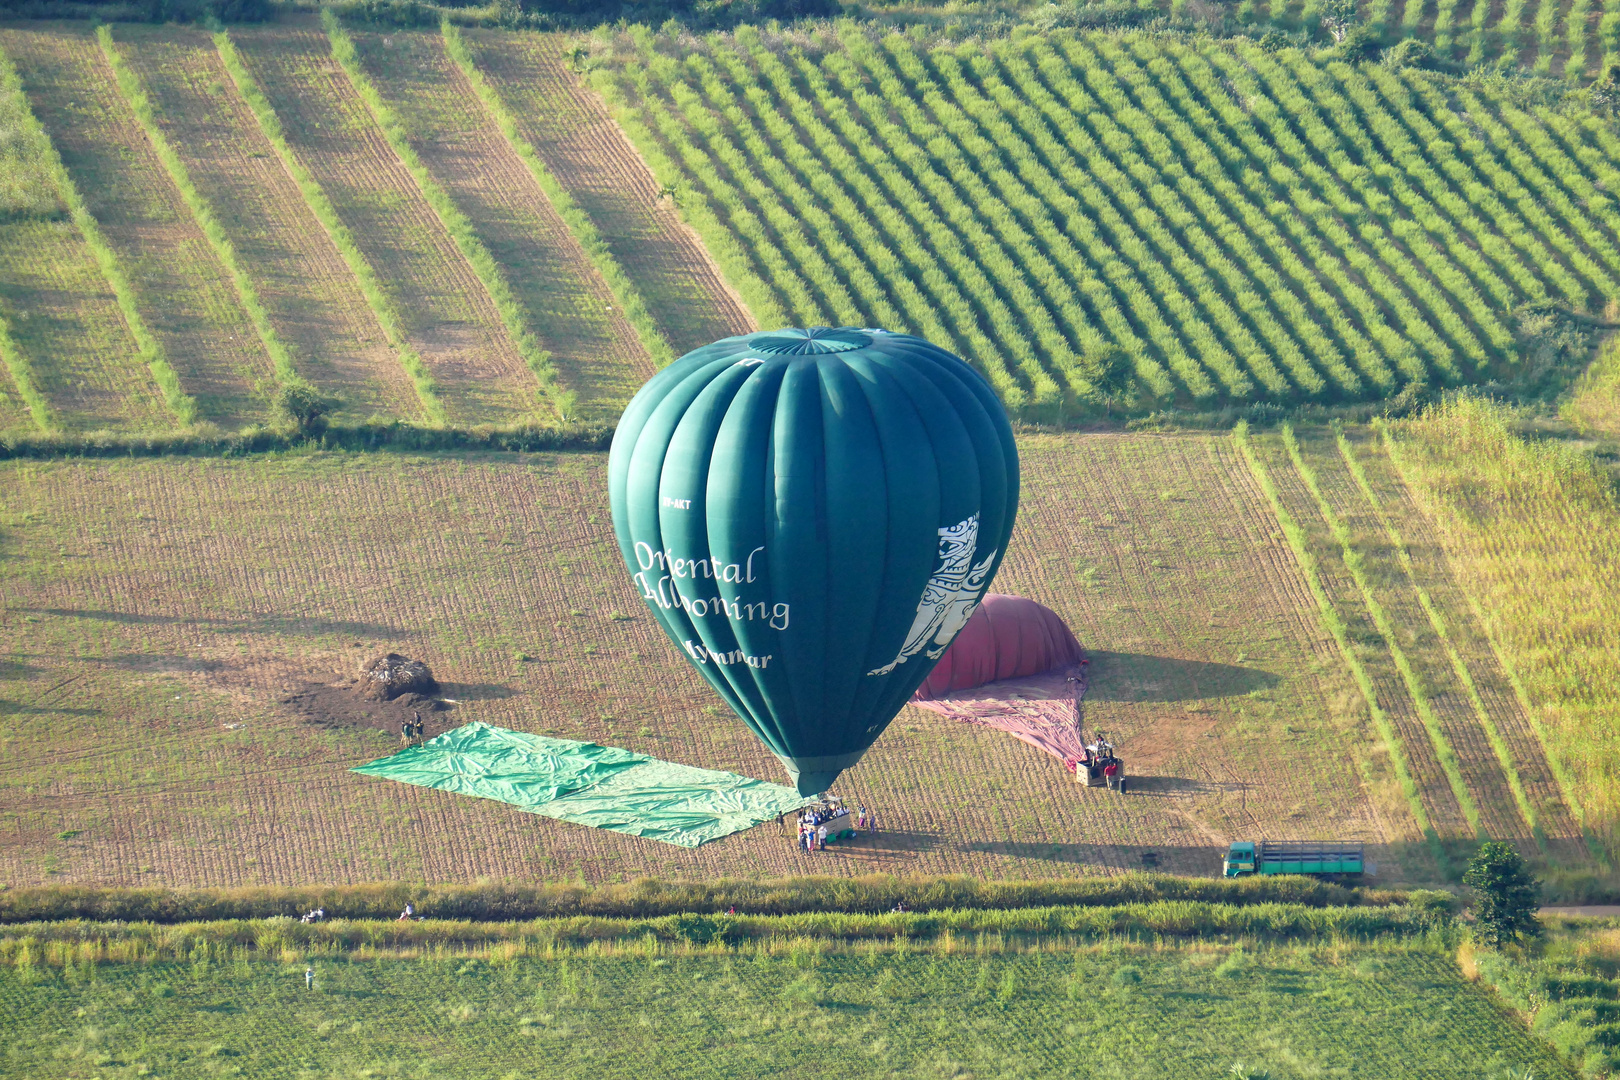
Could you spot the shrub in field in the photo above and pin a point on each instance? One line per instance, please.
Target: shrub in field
(303, 408)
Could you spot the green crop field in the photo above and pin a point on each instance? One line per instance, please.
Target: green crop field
(498, 227)
(1116, 221)
(946, 1009)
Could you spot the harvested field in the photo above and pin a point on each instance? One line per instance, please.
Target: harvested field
(158, 611)
(183, 292)
(309, 292)
(568, 126)
(596, 352)
(449, 316)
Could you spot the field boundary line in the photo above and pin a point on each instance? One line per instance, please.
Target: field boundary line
(315, 198)
(1504, 756)
(732, 259)
(514, 316)
(1334, 624)
(1386, 629)
(135, 96)
(1566, 782)
(574, 216)
(180, 403)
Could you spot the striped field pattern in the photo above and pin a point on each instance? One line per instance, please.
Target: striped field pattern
(1129, 220)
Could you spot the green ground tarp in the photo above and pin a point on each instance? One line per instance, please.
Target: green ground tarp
(581, 782)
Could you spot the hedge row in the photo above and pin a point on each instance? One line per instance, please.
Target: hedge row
(395, 435)
(650, 898)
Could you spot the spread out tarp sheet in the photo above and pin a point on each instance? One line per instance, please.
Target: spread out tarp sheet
(582, 782)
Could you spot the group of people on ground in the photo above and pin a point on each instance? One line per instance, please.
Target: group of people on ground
(813, 823)
(1102, 754)
(410, 731)
(313, 916)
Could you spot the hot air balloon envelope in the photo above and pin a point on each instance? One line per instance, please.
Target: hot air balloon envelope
(811, 516)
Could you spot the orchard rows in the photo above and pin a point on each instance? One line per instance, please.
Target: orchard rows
(1098, 217)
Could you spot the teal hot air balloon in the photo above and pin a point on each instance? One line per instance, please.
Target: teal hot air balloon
(812, 515)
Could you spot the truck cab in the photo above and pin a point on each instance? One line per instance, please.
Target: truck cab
(1239, 860)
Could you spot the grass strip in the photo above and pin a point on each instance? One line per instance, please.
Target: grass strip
(1334, 624)
(721, 241)
(574, 216)
(14, 108)
(61, 944)
(647, 898)
(22, 376)
(1386, 629)
(315, 198)
(180, 403)
(1499, 745)
(511, 310)
(135, 96)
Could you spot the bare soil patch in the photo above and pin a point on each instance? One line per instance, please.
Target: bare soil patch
(344, 706)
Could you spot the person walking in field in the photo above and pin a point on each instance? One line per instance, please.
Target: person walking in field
(1111, 773)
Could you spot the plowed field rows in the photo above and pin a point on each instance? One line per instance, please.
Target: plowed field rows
(582, 146)
(450, 319)
(310, 294)
(184, 293)
(1444, 811)
(571, 310)
(158, 610)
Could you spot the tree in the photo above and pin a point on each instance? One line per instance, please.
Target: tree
(1338, 16)
(1505, 895)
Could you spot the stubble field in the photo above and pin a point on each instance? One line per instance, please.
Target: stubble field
(157, 612)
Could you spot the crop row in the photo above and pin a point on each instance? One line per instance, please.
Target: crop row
(1095, 217)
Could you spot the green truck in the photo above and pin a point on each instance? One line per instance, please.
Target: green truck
(1314, 857)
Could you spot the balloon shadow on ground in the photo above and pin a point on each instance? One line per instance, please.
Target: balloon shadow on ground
(1118, 676)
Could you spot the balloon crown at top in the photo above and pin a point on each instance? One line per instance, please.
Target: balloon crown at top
(817, 339)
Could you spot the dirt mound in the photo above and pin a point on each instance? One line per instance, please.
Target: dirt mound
(388, 677)
(342, 706)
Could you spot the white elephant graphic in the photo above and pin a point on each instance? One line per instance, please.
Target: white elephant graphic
(949, 597)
